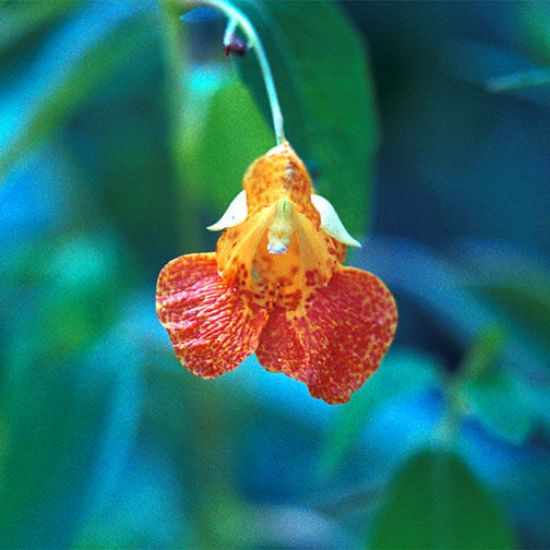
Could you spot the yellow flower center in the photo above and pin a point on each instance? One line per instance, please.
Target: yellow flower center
(281, 228)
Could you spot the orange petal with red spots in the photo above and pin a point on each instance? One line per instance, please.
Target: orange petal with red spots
(278, 174)
(341, 340)
(210, 327)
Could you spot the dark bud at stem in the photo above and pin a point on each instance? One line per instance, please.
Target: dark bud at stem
(235, 46)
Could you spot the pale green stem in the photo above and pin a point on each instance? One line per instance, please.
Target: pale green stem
(238, 18)
(229, 31)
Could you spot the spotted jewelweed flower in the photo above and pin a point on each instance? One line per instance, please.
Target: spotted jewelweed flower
(276, 286)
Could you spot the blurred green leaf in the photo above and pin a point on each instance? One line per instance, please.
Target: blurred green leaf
(232, 135)
(145, 512)
(52, 431)
(527, 304)
(71, 424)
(321, 73)
(482, 354)
(436, 502)
(79, 83)
(400, 376)
(534, 18)
(447, 296)
(515, 282)
(76, 281)
(180, 118)
(490, 392)
(21, 19)
(501, 404)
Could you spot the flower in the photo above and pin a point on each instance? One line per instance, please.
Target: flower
(276, 286)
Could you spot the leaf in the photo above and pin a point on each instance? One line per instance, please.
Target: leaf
(52, 431)
(534, 25)
(327, 99)
(436, 502)
(441, 290)
(22, 19)
(96, 60)
(400, 376)
(501, 405)
(189, 93)
(145, 510)
(515, 281)
(487, 390)
(482, 354)
(71, 426)
(497, 399)
(233, 134)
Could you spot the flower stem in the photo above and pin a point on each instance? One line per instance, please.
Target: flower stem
(230, 29)
(238, 18)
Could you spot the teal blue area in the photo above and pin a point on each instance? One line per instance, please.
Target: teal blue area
(124, 132)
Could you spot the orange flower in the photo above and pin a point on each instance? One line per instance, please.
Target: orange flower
(276, 286)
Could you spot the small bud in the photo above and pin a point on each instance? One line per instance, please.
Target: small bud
(235, 45)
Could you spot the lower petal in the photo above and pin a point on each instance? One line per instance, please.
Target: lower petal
(283, 349)
(341, 340)
(210, 327)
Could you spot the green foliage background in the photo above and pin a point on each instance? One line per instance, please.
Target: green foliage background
(124, 132)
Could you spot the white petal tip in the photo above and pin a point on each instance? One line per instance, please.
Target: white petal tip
(331, 223)
(353, 242)
(215, 227)
(235, 214)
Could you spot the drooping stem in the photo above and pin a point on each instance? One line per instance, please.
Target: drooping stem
(230, 31)
(238, 18)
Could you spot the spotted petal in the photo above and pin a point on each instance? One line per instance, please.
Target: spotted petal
(341, 340)
(210, 327)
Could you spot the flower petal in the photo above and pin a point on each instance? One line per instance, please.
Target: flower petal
(340, 342)
(236, 213)
(283, 347)
(210, 327)
(279, 174)
(331, 222)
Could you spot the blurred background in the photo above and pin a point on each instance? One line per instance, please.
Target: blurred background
(124, 132)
